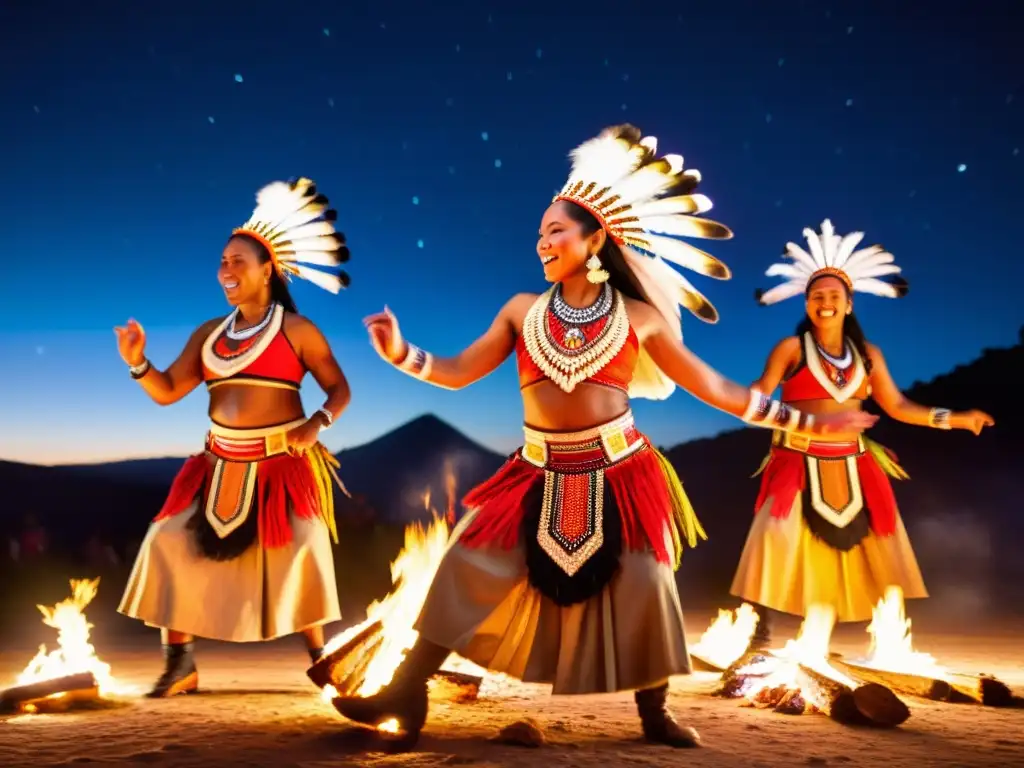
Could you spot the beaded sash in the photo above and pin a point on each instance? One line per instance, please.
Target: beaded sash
(571, 528)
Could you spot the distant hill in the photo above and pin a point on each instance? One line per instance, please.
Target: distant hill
(962, 505)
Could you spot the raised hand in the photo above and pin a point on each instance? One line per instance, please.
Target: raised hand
(844, 422)
(972, 421)
(131, 342)
(385, 336)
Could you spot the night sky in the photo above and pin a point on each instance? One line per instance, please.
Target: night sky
(135, 138)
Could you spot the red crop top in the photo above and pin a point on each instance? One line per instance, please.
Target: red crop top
(277, 366)
(617, 373)
(817, 379)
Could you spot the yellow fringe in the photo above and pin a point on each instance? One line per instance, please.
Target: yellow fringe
(764, 463)
(323, 465)
(885, 461)
(684, 516)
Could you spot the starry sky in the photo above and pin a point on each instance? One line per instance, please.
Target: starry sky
(136, 134)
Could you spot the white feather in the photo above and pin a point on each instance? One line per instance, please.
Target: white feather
(784, 291)
(873, 254)
(846, 247)
(320, 258)
(320, 279)
(672, 206)
(876, 270)
(802, 258)
(876, 287)
(788, 271)
(685, 255)
(814, 246)
(680, 226)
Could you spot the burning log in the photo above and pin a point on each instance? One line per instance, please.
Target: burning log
(920, 686)
(981, 689)
(80, 686)
(869, 704)
(956, 688)
(345, 666)
(735, 683)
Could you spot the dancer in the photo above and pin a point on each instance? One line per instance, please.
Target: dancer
(241, 550)
(562, 570)
(827, 530)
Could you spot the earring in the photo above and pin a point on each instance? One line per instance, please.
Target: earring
(594, 272)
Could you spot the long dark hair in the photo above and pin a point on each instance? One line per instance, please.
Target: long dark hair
(613, 262)
(278, 287)
(851, 327)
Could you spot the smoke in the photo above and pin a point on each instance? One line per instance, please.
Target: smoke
(957, 551)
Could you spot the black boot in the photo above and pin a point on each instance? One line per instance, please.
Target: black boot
(180, 674)
(404, 698)
(762, 638)
(658, 724)
(315, 654)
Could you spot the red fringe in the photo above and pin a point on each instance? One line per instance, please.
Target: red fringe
(785, 476)
(279, 480)
(638, 485)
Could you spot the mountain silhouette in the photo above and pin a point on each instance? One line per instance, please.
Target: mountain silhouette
(962, 504)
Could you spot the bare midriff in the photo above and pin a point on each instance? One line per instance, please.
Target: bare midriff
(243, 406)
(548, 408)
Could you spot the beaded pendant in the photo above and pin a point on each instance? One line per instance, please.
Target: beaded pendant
(571, 344)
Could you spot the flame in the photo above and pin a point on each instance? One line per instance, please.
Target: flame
(809, 649)
(728, 636)
(892, 646)
(411, 575)
(74, 654)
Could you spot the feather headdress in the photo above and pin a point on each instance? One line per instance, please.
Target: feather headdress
(296, 225)
(830, 254)
(645, 201)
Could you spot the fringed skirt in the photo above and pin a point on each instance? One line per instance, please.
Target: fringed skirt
(563, 569)
(241, 550)
(827, 531)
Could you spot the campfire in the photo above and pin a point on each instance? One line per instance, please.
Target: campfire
(362, 659)
(70, 674)
(804, 676)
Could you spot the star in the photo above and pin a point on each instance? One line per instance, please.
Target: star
(419, 243)
(415, 200)
(768, 117)
(508, 76)
(238, 78)
(962, 167)
(497, 163)
(781, 61)
(327, 32)
(849, 102)
(484, 135)
(211, 120)
(540, 53)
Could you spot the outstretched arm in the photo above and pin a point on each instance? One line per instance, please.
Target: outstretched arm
(750, 405)
(779, 362)
(900, 407)
(475, 362)
(182, 376)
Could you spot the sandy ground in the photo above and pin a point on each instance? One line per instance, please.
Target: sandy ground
(259, 709)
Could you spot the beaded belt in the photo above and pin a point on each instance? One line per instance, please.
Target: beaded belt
(249, 444)
(584, 451)
(819, 448)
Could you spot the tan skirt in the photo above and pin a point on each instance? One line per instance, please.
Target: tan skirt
(629, 636)
(786, 568)
(261, 595)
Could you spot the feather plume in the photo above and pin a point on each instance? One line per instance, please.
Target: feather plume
(296, 222)
(830, 253)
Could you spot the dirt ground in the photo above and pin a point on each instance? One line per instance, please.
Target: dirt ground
(260, 709)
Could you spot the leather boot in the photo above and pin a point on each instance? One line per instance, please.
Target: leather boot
(405, 697)
(180, 674)
(658, 724)
(315, 654)
(762, 638)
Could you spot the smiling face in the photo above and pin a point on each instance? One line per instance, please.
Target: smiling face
(828, 303)
(242, 275)
(563, 245)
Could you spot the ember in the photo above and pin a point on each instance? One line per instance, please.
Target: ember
(73, 671)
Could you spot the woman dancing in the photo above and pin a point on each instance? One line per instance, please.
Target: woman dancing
(562, 570)
(827, 530)
(241, 550)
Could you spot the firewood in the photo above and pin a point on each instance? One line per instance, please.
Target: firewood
(981, 689)
(793, 703)
(13, 699)
(338, 665)
(733, 684)
(868, 704)
(903, 682)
